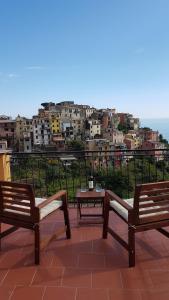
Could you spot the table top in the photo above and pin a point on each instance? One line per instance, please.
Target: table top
(90, 194)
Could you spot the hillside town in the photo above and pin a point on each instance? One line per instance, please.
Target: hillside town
(58, 124)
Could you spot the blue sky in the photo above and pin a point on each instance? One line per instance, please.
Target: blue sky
(105, 53)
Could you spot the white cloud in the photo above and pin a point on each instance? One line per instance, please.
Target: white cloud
(35, 68)
(12, 75)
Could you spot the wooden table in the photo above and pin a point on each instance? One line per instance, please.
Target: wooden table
(92, 197)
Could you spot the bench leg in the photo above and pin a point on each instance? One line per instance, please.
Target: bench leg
(66, 218)
(0, 236)
(105, 220)
(37, 244)
(131, 243)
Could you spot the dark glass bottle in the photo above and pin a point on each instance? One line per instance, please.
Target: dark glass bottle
(91, 183)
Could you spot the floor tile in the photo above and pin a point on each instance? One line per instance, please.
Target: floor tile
(74, 277)
(103, 246)
(160, 278)
(124, 295)
(136, 278)
(53, 293)
(106, 279)
(12, 259)
(20, 276)
(90, 294)
(155, 295)
(48, 277)
(91, 260)
(116, 261)
(64, 258)
(5, 292)
(153, 264)
(46, 257)
(27, 293)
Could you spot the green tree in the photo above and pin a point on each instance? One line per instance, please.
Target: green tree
(123, 128)
(162, 140)
(76, 145)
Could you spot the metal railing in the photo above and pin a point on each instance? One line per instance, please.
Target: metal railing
(119, 170)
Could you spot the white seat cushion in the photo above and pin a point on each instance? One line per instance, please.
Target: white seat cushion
(49, 208)
(124, 213)
(120, 209)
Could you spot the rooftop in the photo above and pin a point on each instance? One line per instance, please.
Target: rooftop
(84, 267)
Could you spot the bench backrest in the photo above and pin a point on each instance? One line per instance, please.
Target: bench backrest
(151, 202)
(17, 201)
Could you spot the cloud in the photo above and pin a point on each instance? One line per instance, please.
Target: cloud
(35, 68)
(12, 75)
(140, 50)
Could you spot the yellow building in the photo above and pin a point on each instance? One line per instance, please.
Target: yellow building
(54, 124)
(5, 173)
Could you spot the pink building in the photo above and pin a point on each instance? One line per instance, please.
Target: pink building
(130, 143)
(149, 135)
(154, 146)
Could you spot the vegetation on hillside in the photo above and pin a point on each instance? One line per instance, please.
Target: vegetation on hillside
(48, 175)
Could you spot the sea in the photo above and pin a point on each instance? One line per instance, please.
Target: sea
(162, 125)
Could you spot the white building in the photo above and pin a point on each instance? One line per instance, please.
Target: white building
(41, 131)
(93, 128)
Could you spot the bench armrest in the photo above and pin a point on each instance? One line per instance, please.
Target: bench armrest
(56, 196)
(111, 195)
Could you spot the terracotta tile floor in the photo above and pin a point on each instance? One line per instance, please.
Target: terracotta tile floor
(85, 267)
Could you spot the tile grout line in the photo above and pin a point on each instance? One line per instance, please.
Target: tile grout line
(92, 248)
(78, 261)
(33, 278)
(139, 293)
(12, 292)
(63, 272)
(121, 278)
(52, 258)
(4, 277)
(76, 294)
(45, 287)
(148, 272)
(108, 293)
(52, 261)
(105, 261)
(91, 275)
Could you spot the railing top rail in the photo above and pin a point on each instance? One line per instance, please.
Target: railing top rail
(130, 151)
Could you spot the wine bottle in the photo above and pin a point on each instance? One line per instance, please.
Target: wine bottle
(90, 183)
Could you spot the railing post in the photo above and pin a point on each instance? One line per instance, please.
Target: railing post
(5, 171)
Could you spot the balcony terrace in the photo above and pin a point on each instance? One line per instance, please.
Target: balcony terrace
(86, 266)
